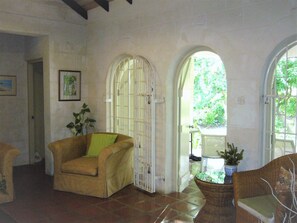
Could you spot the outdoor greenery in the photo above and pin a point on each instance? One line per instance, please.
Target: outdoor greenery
(286, 90)
(209, 91)
(81, 123)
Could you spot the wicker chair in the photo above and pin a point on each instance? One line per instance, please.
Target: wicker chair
(249, 184)
(7, 156)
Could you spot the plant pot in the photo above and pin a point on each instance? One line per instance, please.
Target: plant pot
(230, 169)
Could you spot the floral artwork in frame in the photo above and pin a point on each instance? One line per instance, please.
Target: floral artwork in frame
(7, 85)
(69, 85)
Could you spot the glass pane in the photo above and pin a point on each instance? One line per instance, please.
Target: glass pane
(291, 126)
(279, 126)
(285, 104)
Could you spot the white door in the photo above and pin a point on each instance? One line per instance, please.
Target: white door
(134, 112)
(144, 136)
(185, 98)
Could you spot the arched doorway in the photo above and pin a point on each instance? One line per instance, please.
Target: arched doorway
(201, 104)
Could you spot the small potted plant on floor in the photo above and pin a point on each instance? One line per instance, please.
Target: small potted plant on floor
(232, 157)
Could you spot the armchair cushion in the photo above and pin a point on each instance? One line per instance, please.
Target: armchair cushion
(99, 142)
(262, 207)
(83, 165)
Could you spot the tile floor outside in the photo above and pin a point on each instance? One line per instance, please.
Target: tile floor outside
(37, 202)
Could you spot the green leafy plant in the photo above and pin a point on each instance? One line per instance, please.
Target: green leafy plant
(210, 87)
(81, 122)
(286, 85)
(2, 184)
(231, 155)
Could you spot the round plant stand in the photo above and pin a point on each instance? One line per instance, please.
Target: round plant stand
(218, 207)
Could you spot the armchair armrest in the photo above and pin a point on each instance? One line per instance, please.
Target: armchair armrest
(249, 184)
(114, 156)
(68, 149)
(7, 155)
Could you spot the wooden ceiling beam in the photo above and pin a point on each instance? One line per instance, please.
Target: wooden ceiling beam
(104, 4)
(77, 8)
(130, 1)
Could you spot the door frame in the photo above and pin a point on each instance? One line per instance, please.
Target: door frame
(176, 132)
(31, 134)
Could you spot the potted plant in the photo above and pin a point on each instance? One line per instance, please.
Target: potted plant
(232, 157)
(81, 123)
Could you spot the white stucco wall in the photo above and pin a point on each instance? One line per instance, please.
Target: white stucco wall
(13, 112)
(241, 32)
(60, 40)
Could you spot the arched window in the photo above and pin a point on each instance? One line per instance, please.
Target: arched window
(280, 104)
(132, 109)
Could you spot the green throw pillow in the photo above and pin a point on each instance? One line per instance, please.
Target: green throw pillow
(99, 142)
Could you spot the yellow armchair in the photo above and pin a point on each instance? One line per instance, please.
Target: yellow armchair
(99, 176)
(7, 155)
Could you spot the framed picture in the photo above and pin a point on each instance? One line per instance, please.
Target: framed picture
(8, 85)
(69, 85)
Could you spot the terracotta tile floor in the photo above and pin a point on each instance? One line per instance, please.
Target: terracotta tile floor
(37, 202)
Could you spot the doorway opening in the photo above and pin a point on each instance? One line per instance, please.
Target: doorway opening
(36, 111)
(202, 114)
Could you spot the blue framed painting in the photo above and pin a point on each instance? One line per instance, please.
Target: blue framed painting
(8, 85)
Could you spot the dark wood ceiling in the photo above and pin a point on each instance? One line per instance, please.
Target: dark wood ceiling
(82, 6)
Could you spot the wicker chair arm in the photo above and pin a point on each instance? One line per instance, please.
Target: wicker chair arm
(249, 184)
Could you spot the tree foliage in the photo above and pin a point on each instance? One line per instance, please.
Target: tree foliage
(209, 92)
(286, 91)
